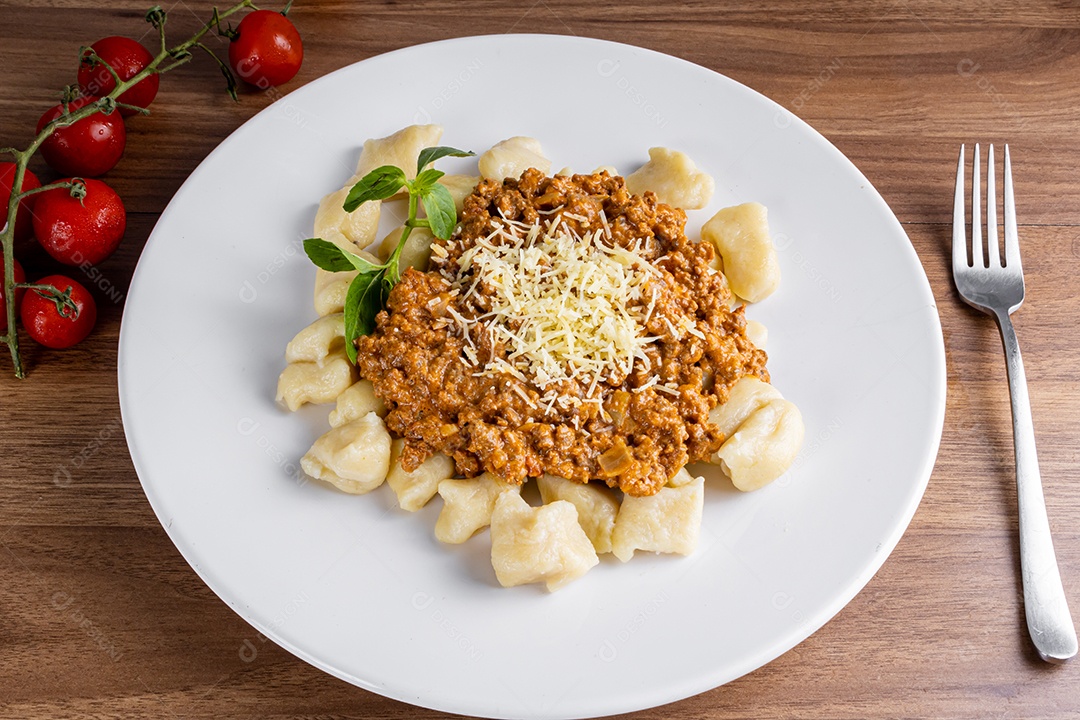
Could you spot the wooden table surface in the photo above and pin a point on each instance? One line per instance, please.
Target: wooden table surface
(99, 614)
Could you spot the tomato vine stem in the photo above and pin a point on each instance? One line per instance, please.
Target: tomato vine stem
(177, 55)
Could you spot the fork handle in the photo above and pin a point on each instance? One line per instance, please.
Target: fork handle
(1047, 610)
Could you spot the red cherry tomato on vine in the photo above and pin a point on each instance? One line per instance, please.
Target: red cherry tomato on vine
(76, 232)
(26, 205)
(20, 277)
(127, 57)
(88, 148)
(267, 50)
(50, 321)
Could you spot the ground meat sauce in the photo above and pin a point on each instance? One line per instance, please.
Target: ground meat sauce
(631, 439)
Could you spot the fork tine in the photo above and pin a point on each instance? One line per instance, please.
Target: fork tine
(959, 232)
(993, 255)
(1012, 238)
(976, 213)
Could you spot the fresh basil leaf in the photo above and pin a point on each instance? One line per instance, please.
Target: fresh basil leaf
(330, 257)
(431, 154)
(326, 255)
(361, 264)
(355, 324)
(372, 301)
(441, 213)
(425, 180)
(379, 184)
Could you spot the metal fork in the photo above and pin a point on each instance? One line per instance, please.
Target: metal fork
(998, 290)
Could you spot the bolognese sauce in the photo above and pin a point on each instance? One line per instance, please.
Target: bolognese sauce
(567, 327)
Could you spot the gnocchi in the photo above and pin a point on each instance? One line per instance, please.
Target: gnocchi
(354, 457)
(358, 227)
(416, 251)
(746, 396)
(562, 539)
(667, 522)
(467, 506)
(511, 157)
(402, 149)
(544, 544)
(307, 382)
(683, 477)
(674, 178)
(764, 446)
(317, 341)
(356, 401)
(460, 187)
(596, 507)
(414, 488)
(757, 333)
(331, 289)
(740, 235)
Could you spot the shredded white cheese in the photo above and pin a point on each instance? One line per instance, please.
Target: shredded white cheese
(565, 307)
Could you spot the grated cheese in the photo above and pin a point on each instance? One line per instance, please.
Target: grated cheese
(565, 307)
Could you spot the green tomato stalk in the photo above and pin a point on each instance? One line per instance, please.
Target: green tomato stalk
(165, 60)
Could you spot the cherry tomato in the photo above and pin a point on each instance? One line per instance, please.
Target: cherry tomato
(23, 213)
(20, 277)
(127, 57)
(90, 147)
(51, 323)
(76, 232)
(267, 50)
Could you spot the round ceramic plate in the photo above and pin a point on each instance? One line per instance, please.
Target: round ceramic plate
(362, 589)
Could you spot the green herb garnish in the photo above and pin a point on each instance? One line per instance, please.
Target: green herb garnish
(368, 290)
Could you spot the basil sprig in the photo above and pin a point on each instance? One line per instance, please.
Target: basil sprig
(371, 287)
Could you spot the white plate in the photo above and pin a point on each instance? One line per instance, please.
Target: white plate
(361, 589)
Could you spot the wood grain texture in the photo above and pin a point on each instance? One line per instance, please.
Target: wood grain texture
(101, 617)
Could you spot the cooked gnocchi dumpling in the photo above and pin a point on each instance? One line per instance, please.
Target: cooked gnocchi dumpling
(416, 251)
(355, 402)
(511, 157)
(460, 187)
(757, 333)
(747, 395)
(318, 340)
(414, 489)
(667, 522)
(331, 289)
(596, 506)
(764, 446)
(562, 539)
(354, 458)
(683, 477)
(467, 506)
(308, 382)
(674, 178)
(740, 235)
(402, 149)
(358, 227)
(544, 544)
